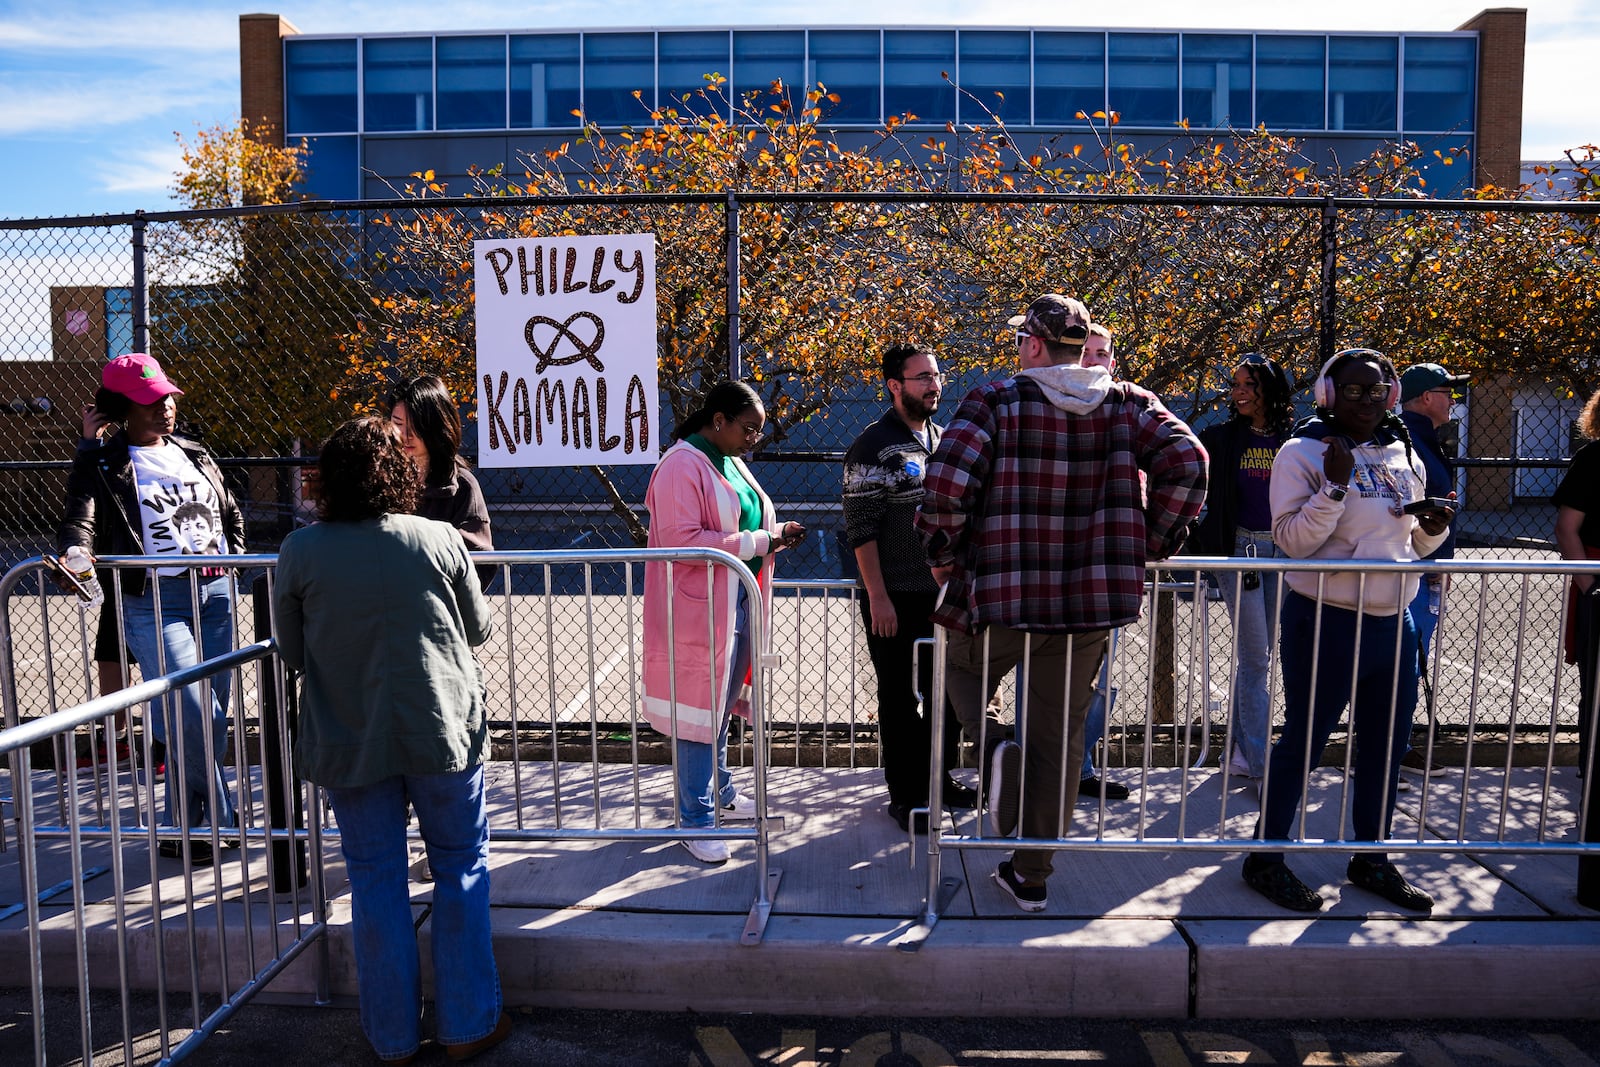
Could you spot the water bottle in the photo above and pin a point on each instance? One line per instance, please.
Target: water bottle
(77, 561)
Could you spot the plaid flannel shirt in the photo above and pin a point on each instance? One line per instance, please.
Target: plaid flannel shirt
(1041, 510)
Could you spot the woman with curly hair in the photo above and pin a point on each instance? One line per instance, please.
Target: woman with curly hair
(1238, 522)
(380, 609)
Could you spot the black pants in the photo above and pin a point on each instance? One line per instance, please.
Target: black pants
(284, 795)
(903, 731)
(1588, 633)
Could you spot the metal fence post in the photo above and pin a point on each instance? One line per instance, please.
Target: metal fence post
(141, 316)
(731, 225)
(1327, 324)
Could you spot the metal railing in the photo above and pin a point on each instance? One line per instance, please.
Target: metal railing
(1508, 785)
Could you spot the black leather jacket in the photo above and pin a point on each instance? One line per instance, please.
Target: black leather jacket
(102, 508)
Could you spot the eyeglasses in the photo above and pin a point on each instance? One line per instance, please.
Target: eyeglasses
(1377, 392)
(924, 379)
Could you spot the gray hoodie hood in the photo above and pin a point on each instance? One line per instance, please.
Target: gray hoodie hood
(1074, 389)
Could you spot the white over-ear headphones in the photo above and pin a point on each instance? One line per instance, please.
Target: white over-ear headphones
(1323, 391)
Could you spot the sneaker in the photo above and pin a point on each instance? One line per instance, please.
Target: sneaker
(1093, 786)
(199, 852)
(1005, 788)
(958, 797)
(905, 817)
(1278, 883)
(1238, 766)
(1416, 761)
(707, 849)
(741, 807)
(1386, 880)
(1027, 897)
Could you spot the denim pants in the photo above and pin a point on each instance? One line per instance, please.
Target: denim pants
(1251, 611)
(455, 827)
(1425, 614)
(1101, 705)
(182, 641)
(1310, 717)
(697, 761)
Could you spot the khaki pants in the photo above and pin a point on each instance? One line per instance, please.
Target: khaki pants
(1061, 673)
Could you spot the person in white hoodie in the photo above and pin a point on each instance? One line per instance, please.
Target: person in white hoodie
(1340, 490)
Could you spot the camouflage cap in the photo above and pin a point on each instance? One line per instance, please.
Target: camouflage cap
(1056, 318)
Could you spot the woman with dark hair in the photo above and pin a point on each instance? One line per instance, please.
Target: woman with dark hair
(379, 608)
(430, 428)
(1577, 532)
(1341, 487)
(1238, 522)
(120, 501)
(702, 495)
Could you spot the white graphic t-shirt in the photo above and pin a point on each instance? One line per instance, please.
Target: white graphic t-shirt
(178, 507)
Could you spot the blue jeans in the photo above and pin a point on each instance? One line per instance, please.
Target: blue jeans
(183, 641)
(1251, 610)
(455, 827)
(697, 761)
(1309, 717)
(1425, 613)
(1100, 706)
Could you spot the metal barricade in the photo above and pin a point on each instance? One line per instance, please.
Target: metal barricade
(1502, 783)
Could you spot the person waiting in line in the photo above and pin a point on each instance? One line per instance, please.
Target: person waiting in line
(703, 495)
(380, 609)
(1340, 490)
(430, 427)
(1238, 522)
(883, 472)
(1577, 534)
(120, 501)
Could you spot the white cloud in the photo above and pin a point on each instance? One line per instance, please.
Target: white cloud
(145, 170)
(119, 29)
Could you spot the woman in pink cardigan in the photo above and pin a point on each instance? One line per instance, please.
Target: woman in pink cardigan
(703, 496)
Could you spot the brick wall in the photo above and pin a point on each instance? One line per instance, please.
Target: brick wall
(1502, 37)
(261, 72)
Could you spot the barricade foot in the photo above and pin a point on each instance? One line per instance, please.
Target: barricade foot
(755, 924)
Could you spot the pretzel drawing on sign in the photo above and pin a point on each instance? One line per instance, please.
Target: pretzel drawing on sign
(545, 356)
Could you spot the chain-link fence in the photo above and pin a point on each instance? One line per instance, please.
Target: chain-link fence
(278, 322)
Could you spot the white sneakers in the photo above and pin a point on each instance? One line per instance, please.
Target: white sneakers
(1238, 765)
(743, 807)
(706, 849)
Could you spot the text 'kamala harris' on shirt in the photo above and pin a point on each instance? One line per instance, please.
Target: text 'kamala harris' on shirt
(179, 510)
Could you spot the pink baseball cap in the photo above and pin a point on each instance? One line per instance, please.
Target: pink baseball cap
(139, 378)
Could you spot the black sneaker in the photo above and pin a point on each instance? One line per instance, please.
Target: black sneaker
(1386, 880)
(199, 852)
(1027, 897)
(958, 797)
(903, 818)
(1093, 786)
(1278, 883)
(1005, 788)
(1416, 761)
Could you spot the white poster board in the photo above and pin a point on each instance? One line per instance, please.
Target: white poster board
(566, 350)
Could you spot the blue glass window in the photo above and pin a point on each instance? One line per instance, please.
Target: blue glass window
(399, 83)
(1216, 80)
(615, 66)
(1445, 181)
(1363, 80)
(119, 321)
(319, 81)
(544, 81)
(994, 75)
(472, 83)
(914, 65)
(1440, 83)
(686, 58)
(1142, 82)
(333, 168)
(1069, 76)
(1289, 80)
(761, 57)
(846, 61)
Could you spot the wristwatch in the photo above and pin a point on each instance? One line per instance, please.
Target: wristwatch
(1335, 492)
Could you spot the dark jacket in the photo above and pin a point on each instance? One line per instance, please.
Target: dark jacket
(1426, 440)
(102, 507)
(459, 501)
(1225, 444)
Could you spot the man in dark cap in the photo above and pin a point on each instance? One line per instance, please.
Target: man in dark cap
(1036, 525)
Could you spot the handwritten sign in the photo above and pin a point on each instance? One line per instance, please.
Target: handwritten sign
(566, 350)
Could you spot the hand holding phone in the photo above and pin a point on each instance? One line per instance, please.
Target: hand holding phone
(1430, 503)
(66, 580)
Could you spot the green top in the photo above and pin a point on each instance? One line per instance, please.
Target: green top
(749, 497)
(381, 616)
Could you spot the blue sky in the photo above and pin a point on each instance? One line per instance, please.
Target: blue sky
(92, 91)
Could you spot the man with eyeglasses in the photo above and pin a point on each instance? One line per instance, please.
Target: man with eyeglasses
(883, 472)
(1036, 523)
(1427, 392)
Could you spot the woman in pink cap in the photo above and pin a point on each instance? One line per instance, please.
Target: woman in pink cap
(150, 492)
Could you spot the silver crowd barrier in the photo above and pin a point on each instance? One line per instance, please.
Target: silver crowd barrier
(1507, 783)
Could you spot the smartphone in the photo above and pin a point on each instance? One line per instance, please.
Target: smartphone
(797, 538)
(54, 565)
(1429, 503)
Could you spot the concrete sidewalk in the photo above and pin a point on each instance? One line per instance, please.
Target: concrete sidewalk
(1147, 933)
